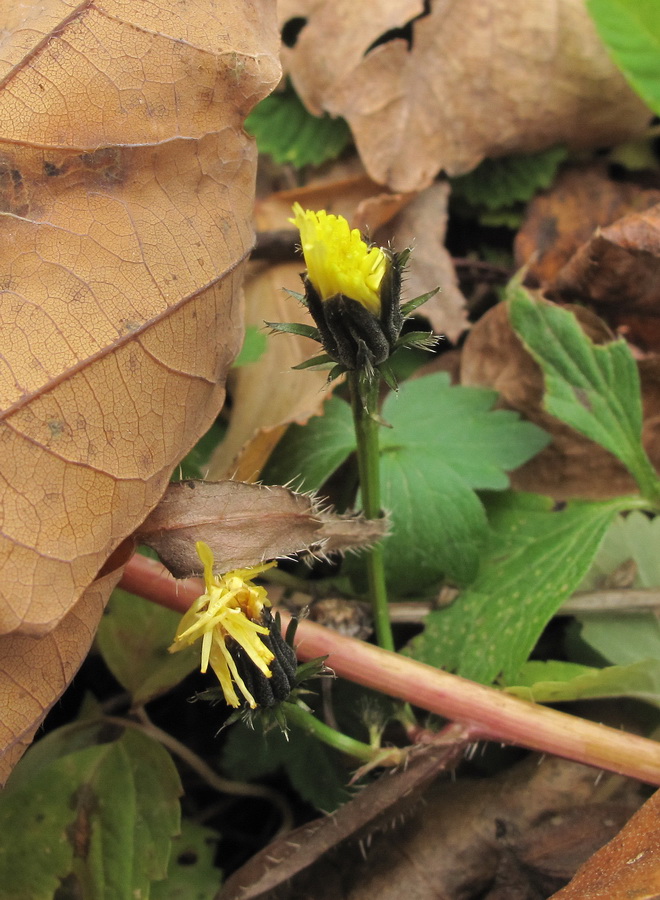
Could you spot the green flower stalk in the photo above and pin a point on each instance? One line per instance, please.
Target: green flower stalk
(353, 293)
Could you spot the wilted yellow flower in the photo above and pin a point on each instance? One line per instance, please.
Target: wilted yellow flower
(230, 610)
(338, 260)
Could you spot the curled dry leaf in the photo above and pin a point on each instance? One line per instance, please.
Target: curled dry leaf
(571, 466)
(627, 867)
(373, 809)
(559, 221)
(245, 524)
(454, 845)
(618, 270)
(442, 85)
(125, 212)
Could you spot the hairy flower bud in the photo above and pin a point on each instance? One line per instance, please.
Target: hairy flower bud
(352, 290)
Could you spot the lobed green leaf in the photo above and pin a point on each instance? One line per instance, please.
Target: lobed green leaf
(535, 558)
(594, 389)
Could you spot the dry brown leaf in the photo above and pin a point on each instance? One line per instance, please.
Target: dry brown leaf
(468, 79)
(40, 668)
(374, 808)
(628, 868)
(125, 212)
(571, 466)
(245, 524)
(267, 395)
(422, 225)
(618, 269)
(560, 220)
(451, 846)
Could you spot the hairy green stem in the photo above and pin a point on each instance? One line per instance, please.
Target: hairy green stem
(364, 402)
(308, 722)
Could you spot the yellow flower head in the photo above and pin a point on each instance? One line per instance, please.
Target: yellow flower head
(338, 260)
(229, 610)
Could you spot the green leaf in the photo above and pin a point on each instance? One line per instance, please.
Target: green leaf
(535, 558)
(625, 639)
(594, 389)
(313, 768)
(254, 346)
(287, 132)
(557, 682)
(99, 820)
(630, 29)
(133, 638)
(445, 442)
(191, 874)
(499, 183)
(308, 454)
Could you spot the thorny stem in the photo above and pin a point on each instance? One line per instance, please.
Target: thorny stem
(486, 713)
(342, 742)
(364, 403)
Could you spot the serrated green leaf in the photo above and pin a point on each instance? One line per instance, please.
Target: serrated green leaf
(438, 524)
(191, 874)
(594, 389)
(499, 183)
(308, 454)
(133, 638)
(101, 818)
(630, 29)
(536, 557)
(312, 767)
(445, 442)
(290, 134)
(558, 682)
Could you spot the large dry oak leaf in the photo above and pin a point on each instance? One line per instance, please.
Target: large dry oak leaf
(126, 190)
(425, 91)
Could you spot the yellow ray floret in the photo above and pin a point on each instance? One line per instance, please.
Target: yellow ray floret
(230, 609)
(338, 260)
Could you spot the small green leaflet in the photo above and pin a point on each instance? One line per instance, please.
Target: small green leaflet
(287, 132)
(535, 559)
(101, 818)
(499, 183)
(557, 682)
(630, 29)
(594, 389)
